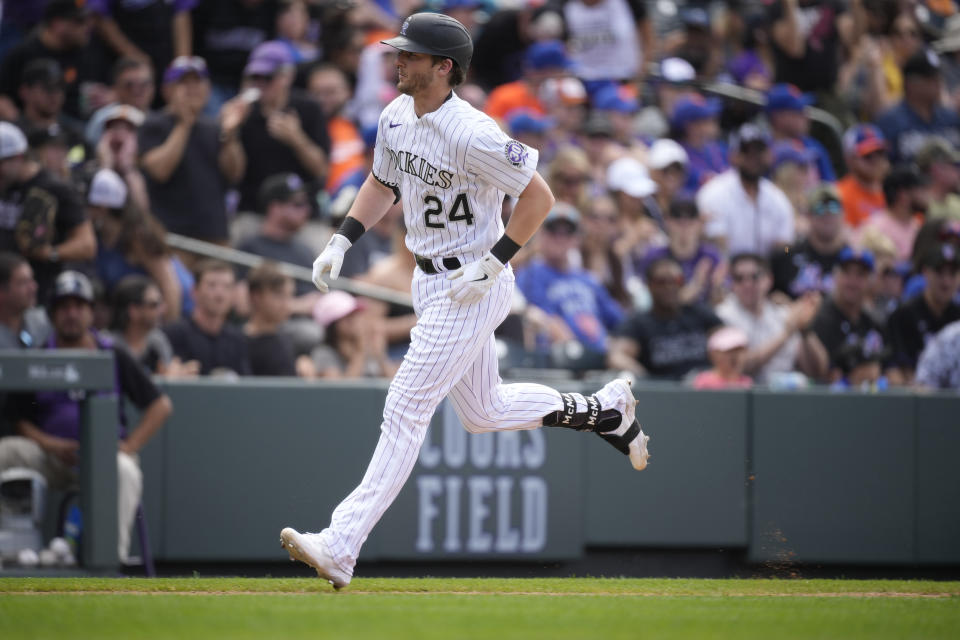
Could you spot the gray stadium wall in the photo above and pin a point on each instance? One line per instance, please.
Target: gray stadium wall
(809, 477)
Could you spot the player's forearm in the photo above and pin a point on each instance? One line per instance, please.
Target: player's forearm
(116, 39)
(372, 202)
(531, 210)
(813, 359)
(81, 243)
(183, 33)
(232, 160)
(759, 357)
(311, 156)
(153, 418)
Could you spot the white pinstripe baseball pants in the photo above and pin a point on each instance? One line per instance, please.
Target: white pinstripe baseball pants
(452, 351)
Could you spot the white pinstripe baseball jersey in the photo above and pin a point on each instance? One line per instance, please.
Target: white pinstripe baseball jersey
(452, 167)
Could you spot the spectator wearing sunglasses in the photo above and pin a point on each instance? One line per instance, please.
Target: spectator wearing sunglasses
(779, 337)
(843, 318)
(137, 313)
(808, 264)
(285, 130)
(905, 193)
(670, 340)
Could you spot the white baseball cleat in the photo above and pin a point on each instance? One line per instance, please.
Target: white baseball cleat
(310, 549)
(628, 437)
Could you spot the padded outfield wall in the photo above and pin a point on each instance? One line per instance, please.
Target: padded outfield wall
(811, 477)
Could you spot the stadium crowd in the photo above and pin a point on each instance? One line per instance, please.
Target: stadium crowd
(748, 191)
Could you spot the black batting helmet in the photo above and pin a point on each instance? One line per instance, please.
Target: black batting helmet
(435, 34)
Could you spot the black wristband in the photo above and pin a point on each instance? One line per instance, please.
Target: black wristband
(505, 249)
(351, 229)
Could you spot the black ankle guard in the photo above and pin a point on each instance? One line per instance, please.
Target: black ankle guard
(622, 442)
(593, 419)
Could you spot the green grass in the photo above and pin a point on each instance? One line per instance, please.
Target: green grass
(491, 609)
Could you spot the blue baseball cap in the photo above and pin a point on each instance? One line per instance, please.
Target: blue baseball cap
(849, 255)
(791, 151)
(786, 97)
(521, 121)
(614, 97)
(695, 17)
(450, 5)
(268, 58)
(692, 108)
(863, 139)
(183, 65)
(549, 54)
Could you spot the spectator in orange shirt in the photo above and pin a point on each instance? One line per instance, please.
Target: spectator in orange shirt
(328, 84)
(861, 190)
(543, 60)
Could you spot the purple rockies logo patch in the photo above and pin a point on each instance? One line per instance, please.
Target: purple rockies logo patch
(516, 153)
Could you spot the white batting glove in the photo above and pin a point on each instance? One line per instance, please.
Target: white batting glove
(330, 260)
(471, 282)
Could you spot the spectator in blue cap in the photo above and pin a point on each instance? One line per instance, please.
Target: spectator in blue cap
(189, 159)
(868, 162)
(744, 210)
(530, 129)
(807, 265)
(788, 121)
(694, 124)
(620, 104)
(920, 116)
(463, 11)
(285, 131)
(843, 318)
(542, 60)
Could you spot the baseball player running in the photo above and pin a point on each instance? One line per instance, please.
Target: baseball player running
(453, 165)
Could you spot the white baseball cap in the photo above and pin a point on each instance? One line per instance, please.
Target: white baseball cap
(109, 113)
(107, 189)
(12, 141)
(665, 152)
(628, 174)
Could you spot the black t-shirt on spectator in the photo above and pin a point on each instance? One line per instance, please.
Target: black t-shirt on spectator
(293, 252)
(192, 201)
(800, 268)
(671, 348)
(817, 69)
(499, 50)
(74, 63)
(835, 331)
(56, 199)
(226, 31)
(225, 350)
(271, 354)
(911, 326)
(267, 156)
(149, 24)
